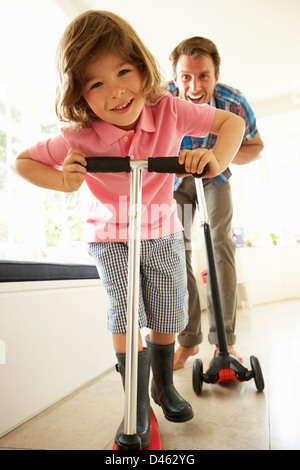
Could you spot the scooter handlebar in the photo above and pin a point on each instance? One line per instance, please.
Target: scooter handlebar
(122, 164)
(170, 165)
(108, 164)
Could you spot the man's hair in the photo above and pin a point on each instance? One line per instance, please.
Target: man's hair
(194, 47)
(90, 35)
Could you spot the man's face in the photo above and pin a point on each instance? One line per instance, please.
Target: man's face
(195, 78)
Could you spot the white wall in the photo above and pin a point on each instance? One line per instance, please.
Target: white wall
(255, 58)
(53, 340)
(264, 273)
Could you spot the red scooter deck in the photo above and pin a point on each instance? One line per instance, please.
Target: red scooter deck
(155, 441)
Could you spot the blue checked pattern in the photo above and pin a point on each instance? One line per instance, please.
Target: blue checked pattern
(163, 295)
(231, 100)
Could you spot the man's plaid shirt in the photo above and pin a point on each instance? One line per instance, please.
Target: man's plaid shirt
(229, 99)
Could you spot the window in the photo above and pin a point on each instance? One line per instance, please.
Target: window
(35, 224)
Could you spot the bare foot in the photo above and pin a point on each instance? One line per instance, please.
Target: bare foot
(182, 354)
(232, 352)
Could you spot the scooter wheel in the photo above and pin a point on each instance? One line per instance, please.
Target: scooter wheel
(257, 373)
(197, 376)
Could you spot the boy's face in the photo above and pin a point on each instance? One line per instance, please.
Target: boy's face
(112, 90)
(195, 78)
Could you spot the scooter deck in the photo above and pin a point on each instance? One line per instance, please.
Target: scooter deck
(155, 440)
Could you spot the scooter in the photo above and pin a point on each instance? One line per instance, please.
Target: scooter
(224, 367)
(130, 439)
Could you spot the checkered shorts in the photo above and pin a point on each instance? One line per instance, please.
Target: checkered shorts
(163, 295)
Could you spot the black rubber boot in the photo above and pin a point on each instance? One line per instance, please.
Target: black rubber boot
(163, 392)
(143, 400)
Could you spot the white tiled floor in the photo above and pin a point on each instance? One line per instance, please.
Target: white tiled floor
(228, 417)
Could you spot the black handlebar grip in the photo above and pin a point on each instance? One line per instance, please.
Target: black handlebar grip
(108, 164)
(171, 165)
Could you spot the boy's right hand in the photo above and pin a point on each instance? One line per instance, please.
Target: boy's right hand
(73, 169)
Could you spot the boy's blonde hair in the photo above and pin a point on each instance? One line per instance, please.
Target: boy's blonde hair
(87, 37)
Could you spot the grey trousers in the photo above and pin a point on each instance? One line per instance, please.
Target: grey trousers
(220, 211)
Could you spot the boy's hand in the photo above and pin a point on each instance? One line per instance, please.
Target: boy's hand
(73, 169)
(195, 161)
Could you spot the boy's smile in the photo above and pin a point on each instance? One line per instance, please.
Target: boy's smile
(124, 107)
(113, 91)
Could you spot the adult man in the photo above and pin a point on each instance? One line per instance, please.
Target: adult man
(196, 63)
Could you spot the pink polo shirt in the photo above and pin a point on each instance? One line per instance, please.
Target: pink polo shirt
(159, 133)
